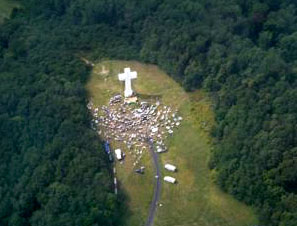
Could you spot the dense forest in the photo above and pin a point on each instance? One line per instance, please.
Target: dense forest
(243, 52)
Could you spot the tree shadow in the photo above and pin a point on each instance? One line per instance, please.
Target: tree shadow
(124, 211)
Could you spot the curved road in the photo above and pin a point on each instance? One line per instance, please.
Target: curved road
(157, 187)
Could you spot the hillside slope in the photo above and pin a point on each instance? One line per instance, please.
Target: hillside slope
(242, 52)
(195, 199)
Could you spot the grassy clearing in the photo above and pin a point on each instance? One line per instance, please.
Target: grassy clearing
(195, 200)
(6, 7)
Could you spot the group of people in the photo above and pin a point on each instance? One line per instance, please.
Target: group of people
(134, 124)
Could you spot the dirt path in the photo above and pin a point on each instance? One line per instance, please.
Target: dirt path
(157, 187)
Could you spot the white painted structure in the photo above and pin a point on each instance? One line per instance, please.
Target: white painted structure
(170, 167)
(127, 76)
(118, 154)
(170, 179)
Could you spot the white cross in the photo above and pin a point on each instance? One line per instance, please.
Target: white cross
(127, 76)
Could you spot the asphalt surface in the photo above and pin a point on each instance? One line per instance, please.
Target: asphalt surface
(157, 187)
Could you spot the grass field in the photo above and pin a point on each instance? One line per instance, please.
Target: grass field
(194, 200)
(5, 8)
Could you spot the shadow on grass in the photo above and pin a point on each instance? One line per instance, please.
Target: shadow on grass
(124, 211)
(149, 97)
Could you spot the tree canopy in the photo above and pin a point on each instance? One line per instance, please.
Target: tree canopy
(242, 52)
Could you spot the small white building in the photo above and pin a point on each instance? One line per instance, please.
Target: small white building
(118, 154)
(169, 179)
(170, 167)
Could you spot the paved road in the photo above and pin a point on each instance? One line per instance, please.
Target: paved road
(157, 187)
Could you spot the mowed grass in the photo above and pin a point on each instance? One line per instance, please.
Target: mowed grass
(6, 7)
(195, 199)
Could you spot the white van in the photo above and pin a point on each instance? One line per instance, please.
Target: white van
(170, 179)
(118, 154)
(170, 167)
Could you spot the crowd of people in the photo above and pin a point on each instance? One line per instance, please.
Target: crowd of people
(133, 124)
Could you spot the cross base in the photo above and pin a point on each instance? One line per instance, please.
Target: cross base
(130, 100)
(128, 93)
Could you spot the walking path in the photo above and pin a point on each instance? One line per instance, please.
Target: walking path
(157, 187)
